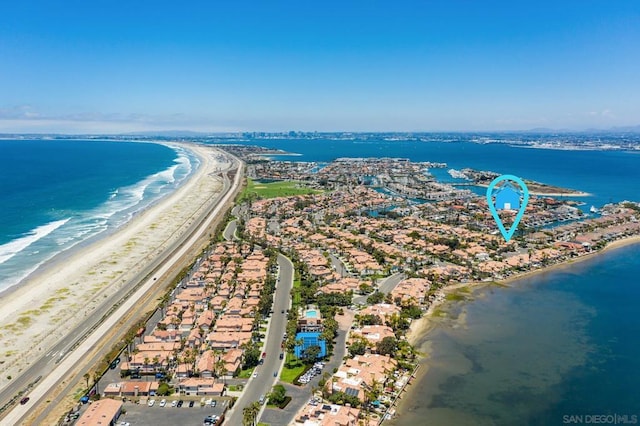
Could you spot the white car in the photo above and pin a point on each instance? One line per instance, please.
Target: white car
(151, 402)
(163, 402)
(174, 403)
(255, 374)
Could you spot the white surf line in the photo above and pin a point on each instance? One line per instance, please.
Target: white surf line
(49, 382)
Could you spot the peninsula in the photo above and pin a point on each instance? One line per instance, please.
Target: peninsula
(321, 285)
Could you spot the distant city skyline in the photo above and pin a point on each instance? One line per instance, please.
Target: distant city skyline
(361, 66)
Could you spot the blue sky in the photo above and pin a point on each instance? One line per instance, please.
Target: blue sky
(115, 66)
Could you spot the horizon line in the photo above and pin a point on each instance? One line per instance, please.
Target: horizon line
(147, 133)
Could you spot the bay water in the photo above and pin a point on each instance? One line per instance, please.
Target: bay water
(553, 345)
(556, 348)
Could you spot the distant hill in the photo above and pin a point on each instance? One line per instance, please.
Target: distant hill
(620, 129)
(627, 129)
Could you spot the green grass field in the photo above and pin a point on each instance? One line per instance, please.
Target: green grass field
(245, 374)
(288, 375)
(275, 189)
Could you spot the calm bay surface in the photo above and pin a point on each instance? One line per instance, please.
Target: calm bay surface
(559, 344)
(556, 344)
(610, 176)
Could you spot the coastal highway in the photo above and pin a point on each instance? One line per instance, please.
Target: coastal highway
(72, 356)
(262, 384)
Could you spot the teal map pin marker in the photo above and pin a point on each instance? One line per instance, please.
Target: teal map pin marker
(507, 197)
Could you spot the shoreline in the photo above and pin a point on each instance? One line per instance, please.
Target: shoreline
(569, 193)
(40, 310)
(421, 327)
(88, 243)
(417, 330)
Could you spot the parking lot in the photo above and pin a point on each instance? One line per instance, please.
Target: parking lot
(316, 370)
(142, 414)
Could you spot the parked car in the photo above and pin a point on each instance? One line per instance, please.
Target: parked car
(191, 404)
(24, 400)
(151, 402)
(255, 374)
(163, 402)
(213, 403)
(174, 403)
(210, 420)
(180, 403)
(262, 399)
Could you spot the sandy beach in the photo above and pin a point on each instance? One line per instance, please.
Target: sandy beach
(42, 309)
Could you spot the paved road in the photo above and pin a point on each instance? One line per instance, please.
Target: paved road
(386, 286)
(300, 395)
(262, 384)
(389, 283)
(339, 266)
(230, 231)
(59, 367)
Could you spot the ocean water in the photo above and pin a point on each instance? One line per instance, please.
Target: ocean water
(56, 194)
(559, 344)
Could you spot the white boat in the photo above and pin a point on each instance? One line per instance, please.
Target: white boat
(593, 209)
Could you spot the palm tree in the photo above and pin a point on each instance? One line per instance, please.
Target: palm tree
(250, 414)
(87, 376)
(96, 380)
(164, 301)
(219, 366)
(255, 409)
(247, 417)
